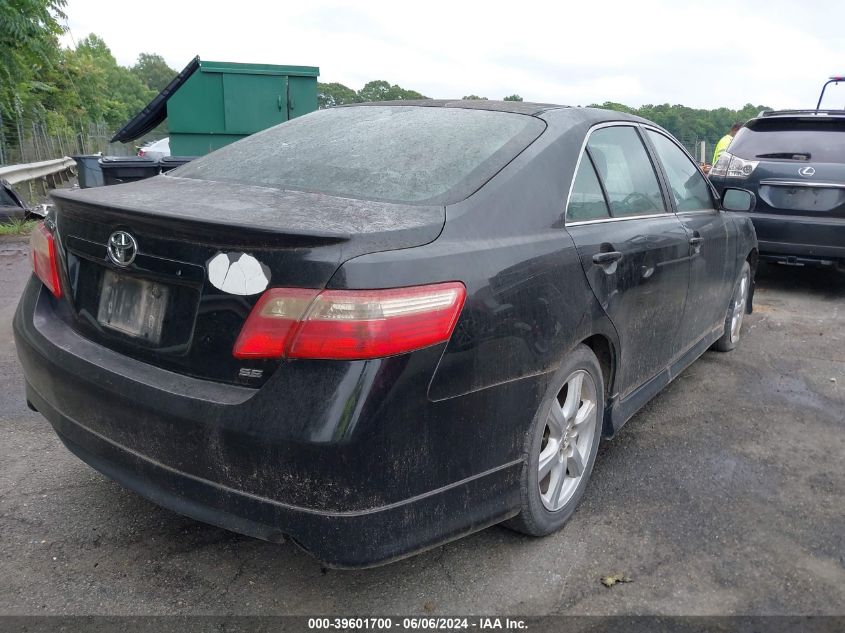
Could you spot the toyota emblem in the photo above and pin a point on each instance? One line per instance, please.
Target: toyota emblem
(122, 248)
(807, 171)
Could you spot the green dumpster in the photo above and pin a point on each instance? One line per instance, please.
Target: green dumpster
(224, 102)
(211, 104)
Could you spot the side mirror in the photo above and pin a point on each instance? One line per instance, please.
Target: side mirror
(738, 200)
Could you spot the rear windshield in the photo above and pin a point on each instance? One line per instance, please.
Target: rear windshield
(817, 139)
(403, 154)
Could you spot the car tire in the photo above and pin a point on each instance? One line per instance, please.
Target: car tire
(736, 311)
(565, 435)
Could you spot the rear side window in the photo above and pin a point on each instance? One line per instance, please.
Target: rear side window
(408, 154)
(686, 183)
(625, 171)
(818, 139)
(587, 200)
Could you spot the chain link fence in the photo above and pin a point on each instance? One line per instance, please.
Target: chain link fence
(30, 138)
(701, 149)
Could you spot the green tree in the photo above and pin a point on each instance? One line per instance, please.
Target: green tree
(381, 90)
(153, 71)
(107, 92)
(513, 97)
(690, 125)
(334, 94)
(473, 98)
(28, 44)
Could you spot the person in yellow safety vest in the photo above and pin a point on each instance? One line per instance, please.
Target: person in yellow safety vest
(723, 143)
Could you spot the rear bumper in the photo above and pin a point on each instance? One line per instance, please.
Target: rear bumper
(222, 455)
(799, 239)
(340, 539)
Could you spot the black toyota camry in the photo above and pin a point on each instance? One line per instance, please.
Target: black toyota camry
(376, 328)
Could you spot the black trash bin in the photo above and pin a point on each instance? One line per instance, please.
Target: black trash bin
(88, 170)
(121, 169)
(166, 163)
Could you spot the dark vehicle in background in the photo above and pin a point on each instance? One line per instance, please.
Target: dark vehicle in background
(11, 205)
(376, 328)
(794, 163)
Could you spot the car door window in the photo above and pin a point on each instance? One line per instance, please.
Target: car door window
(586, 202)
(688, 187)
(625, 170)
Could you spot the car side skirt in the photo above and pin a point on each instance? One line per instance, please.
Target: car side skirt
(620, 411)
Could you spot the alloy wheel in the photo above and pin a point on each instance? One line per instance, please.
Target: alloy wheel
(740, 299)
(567, 440)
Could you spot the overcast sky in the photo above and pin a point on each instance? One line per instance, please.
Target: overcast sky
(700, 54)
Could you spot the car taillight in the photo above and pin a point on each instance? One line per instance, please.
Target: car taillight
(349, 324)
(44, 263)
(730, 166)
(271, 323)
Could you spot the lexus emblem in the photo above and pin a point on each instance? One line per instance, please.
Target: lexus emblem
(122, 248)
(807, 171)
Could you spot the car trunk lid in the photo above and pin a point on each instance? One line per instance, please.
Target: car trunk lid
(799, 187)
(163, 306)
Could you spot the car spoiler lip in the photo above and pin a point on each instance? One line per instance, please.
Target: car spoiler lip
(232, 212)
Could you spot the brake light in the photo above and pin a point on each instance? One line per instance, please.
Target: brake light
(44, 263)
(349, 324)
(269, 325)
(731, 166)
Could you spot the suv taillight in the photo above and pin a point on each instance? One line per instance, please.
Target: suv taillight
(349, 324)
(44, 263)
(730, 166)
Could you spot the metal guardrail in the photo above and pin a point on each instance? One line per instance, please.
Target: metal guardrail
(31, 171)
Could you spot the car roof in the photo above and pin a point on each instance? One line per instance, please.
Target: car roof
(791, 114)
(515, 107)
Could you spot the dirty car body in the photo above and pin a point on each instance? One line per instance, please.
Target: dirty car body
(362, 457)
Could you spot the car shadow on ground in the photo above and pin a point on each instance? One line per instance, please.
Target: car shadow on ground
(827, 283)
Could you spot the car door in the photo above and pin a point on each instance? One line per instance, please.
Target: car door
(634, 251)
(712, 244)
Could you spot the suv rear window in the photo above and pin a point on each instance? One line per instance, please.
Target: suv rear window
(408, 154)
(817, 139)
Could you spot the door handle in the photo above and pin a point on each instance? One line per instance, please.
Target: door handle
(695, 243)
(607, 258)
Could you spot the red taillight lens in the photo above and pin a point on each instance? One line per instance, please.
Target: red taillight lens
(271, 322)
(44, 263)
(349, 324)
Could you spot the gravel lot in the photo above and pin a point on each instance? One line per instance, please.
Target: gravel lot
(723, 496)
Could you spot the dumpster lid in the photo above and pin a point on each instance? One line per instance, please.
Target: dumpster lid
(156, 110)
(258, 69)
(117, 161)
